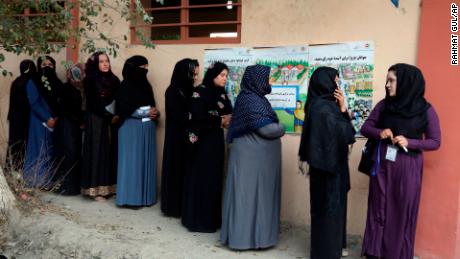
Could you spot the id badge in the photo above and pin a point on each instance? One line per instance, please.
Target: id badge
(145, 119)
(392, 151)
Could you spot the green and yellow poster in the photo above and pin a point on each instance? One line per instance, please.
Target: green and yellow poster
(292, 67)
(355, 63)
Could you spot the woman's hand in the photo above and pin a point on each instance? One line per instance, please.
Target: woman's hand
(115, 119)
(51, 123)
(386, 133)
(303, 168)
(401, 141)
(226, 121)
(340, 99)
(154, 113)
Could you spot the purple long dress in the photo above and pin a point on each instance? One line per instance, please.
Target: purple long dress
(394, 192)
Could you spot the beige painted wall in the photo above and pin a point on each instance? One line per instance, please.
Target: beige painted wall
(291, 22)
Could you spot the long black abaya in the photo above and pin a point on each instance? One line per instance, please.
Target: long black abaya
(175, 144)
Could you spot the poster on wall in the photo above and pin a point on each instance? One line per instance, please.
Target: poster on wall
(355, 63)
(292, 66)
(289, 68)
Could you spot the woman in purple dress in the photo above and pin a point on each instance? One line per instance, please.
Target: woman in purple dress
(404, 125)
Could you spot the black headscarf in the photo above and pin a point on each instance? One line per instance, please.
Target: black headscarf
(135, 90)
(326, 131)
(27, 68)
(208, 81)
(405, 113)
(49, 83)
(183, 76)
(213, 71)
(212, 91)
(18, 93)
(92, 66)
(322, 85)
(105, 84)
(106, 79)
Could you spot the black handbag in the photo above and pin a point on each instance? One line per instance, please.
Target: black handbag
(366, 163)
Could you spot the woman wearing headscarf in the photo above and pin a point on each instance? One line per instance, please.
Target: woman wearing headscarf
(251, 211)
(51, 85)
(326, 134)
(68, 134)
(99, 175)
(175, 144)
(43, 99)
(210, 111)
(137, 164)
(19, 115)
(404, 124)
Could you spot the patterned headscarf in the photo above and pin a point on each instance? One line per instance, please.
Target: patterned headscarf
(75, 75)
(252, 108)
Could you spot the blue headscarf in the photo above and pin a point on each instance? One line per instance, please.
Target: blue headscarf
(252, 109)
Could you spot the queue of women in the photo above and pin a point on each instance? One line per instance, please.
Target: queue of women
(96, 136)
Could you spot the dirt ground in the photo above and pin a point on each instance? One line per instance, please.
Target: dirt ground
(76, 227)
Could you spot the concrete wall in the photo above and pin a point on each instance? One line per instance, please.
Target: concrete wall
(291, 22)
(438, 229)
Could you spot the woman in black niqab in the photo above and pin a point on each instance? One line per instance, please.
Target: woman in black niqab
(49, 84)
(137, 163)
(135, 90)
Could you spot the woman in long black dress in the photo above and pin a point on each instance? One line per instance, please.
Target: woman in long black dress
(99, 175)
(19, 115)
(68, 133)
(172, 178)
(210, 111)
(326, 134)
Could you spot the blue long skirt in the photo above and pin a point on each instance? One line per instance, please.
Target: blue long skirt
(137, 163)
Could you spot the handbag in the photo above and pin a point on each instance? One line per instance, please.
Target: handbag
(366, 163)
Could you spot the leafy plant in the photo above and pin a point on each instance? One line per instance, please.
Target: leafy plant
(35, 27)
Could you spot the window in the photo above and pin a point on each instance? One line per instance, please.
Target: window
(191, 21)
(45, 17)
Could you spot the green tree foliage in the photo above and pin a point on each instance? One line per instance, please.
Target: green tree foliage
(47, 26)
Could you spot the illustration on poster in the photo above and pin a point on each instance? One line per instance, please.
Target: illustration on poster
(291, 68)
